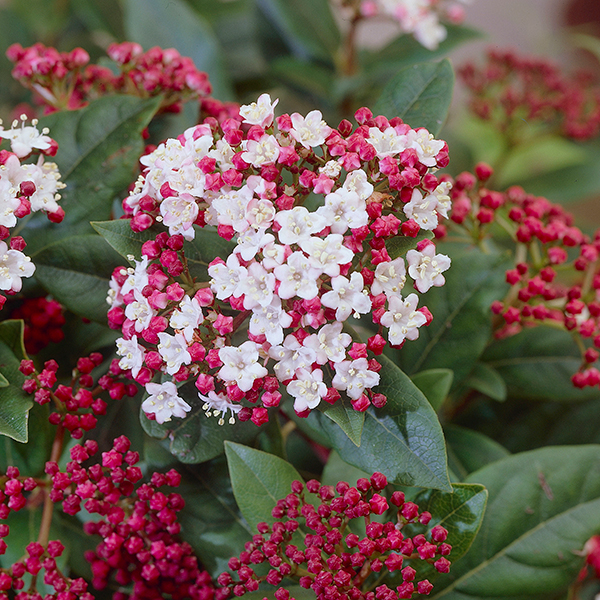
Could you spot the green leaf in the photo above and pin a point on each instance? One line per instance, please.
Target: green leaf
(296, 591)
(537, 364)
(119, 235)
(258, 480)
(460, 512)
(543, 506)
(435, 384)
(404, 51)
(308, 26)
(401, 244)
(403, 440)
(351, 421)
(99, 149)
(337, 469)
(76, 271)
(306, 76)
(14, 402)
(420, 95)
(470, 450)
(210, 520)
(197, 438)
(174, 24)
(461, 326)
(488, 381)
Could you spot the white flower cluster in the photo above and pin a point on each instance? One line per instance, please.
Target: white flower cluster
(24, 188)
(421, 18)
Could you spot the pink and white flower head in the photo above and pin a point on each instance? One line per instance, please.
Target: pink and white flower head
(164, 402)
(261, 112)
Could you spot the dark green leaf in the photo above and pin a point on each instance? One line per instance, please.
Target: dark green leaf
(306, 76)
(210, 520)
(307, 26)
(258, 480)
(350, 420)
(99, 149)
(405, 51)
(420, 95)
(296, 591)
(488, 381)
(460, 512)
(470, 450)
(435, 384)
(197, 438)
(14, 402)
(100, 17)
(537, 364)
(403, 440)
(461, 325)
(174, 24)
(543, 506)
(401, 244)
(337, 469)
(119, 235)
(76, 271)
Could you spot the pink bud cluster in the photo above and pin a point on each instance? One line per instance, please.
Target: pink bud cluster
(76, 406)
(421, 19)
(331, 559)
(44, 319)
(25, 187)
(311, 213)
(510, 91)
(556, 277)
(14, 495)
(65, 80)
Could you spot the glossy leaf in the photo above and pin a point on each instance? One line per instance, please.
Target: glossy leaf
(435, 384)
(14, 402)
(76, 271)
(543, 506)
(197, 438)
(174, 24)
(210, 521)
(306, 76)
(470, 450)
(350, 421)
(258, 480)
(537, 364)
(420, 95)
(461, 326)
(401, 244)
(307, 26)
(119, 235)
(488, 381)
(337, 470)
(403, 440)
(99, 149)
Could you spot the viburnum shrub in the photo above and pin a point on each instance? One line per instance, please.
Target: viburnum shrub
(292, 348)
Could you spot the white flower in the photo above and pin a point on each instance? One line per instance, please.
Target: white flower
(386, 143)
(132, 353)
(187, 317)
(429, 32)
(426, 267)
(13, 266)
(307, 389)
(347, 297)
(223, 155)
(251, 242)
(240, 365)
(258, 286)
(260, 213)
(444, 204)
(231, 208)
(422, 210)
(390, 278)
(344, 209)
(173, 350)
(327, 254)
(262, 152)
(298, 224)
(290, 357)
(137, 278)
(219, 404)
(47, 182)
(163, 402)
(139, 311)
(310, 131)
(329, 343)
(226, 277)
(354, 377)
(331, 168)
(403, 319)
(260, 112)
(269, 321)
(425, 144)
(24, 139)
(298, 277)
(179, 214)
(356, 181)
